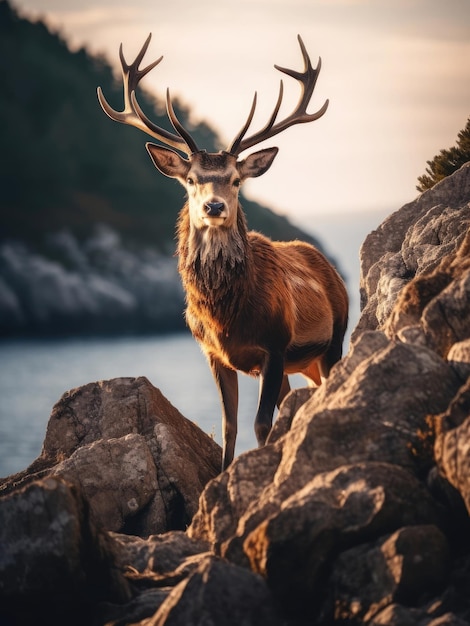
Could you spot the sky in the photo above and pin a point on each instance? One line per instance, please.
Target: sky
(396, 73)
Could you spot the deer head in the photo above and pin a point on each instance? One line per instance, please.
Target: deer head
(212, 180)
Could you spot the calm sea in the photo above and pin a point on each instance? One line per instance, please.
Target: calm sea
(35, 373)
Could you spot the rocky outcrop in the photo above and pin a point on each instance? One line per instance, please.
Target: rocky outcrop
(355, 512)
(138, 462)
(412, 243)
(98, 285)
(350, 472)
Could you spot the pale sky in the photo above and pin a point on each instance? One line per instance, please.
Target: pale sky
(396, 72)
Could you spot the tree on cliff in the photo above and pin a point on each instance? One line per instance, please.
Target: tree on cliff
(447, 161)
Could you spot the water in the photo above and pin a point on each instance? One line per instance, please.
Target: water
(35, 373)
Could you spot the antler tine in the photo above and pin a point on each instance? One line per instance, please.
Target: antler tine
(307, 79)
(236, 142)
(131, 75)
(178, 126)
(234, 148)
(132, 114)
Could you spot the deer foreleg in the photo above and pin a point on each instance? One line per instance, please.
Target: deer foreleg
(271, 381)
(227, 384)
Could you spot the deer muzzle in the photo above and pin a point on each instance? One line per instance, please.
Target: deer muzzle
(214, 209)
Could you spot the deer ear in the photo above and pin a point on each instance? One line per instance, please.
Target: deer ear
(168, 162)
(257, 163)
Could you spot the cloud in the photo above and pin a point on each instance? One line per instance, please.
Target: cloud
(82, 19)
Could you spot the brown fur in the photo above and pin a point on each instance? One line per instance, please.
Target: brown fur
(244, 302)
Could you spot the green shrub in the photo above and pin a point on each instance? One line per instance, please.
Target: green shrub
(447, 161)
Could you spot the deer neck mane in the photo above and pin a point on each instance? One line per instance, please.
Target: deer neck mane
(216, 261)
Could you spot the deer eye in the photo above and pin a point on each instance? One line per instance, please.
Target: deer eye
(237, 182)
(190, 181)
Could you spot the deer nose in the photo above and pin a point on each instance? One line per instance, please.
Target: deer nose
(213, 209)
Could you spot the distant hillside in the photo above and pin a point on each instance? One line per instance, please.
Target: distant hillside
(65, 165)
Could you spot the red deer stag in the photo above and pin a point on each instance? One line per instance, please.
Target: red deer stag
(265, 308)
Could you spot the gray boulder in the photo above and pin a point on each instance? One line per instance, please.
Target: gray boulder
(138, 461)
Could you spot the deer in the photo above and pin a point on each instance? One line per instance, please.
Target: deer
(265, 308)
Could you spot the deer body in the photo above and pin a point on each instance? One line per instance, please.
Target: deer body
(265, 308)
(268, 315)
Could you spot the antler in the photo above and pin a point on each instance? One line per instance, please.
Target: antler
(133, 114)
(307, 78)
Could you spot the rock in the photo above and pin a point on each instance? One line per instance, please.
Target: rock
(294, 548)
(294, 400)
(411, 241)
(200, 588)
(127, 462)
(459, 358)
(451, 447)
(125, 432)
(218, 593)
(97, 285)
(349, 420)
(154, 566)
(438, 302)
(54, 563)
(160, 554)
(411, 563)
(232, 495)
